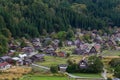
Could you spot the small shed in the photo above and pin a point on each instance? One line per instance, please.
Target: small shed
(63, 67)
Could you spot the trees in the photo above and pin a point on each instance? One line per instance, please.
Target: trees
(117, 72)
(114, 62)
(54, 69)
(3, 45)
(6, 32)
(61, 35)
(70, 34)
(95, 64)
(31, 17)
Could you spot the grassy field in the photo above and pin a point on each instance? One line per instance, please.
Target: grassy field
(50, 60)
(111, 53)
(43, 78)
(88, 75)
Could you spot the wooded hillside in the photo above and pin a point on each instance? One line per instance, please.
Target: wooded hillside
(32, 17)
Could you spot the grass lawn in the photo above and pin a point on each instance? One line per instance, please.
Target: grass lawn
(111, 53)
(87, 75)
(43, 78)
(50, 60)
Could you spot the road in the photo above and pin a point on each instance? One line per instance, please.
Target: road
(104, 74)
(43, 67)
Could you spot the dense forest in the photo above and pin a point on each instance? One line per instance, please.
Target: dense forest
(34, 17)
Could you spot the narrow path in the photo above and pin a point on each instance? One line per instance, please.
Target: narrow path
(43, 67)
(104, 74)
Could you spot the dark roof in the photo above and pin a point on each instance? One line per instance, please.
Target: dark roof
(5, 57)
(1, 60)
(83, 64)
(39, 55)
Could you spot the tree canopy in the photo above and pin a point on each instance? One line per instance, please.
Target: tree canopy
(31, 18)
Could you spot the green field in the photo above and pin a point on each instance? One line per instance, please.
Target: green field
(44, 78)
(111, 53)
(88, 75)
(50, 60)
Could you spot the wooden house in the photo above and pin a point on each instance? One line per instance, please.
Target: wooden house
(4, 66)
(83, 64)
(38, 57)
(61, 54)
(27, 62)
(8, 59)
(93, 50)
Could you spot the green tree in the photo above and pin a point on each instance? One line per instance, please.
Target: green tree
(61, 35)
(54, 69)
(117, 71)
(70, 34)
(6, 32)
(3, 45)
(95, 64)
(114, 62)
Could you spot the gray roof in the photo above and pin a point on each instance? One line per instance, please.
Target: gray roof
(5, 57)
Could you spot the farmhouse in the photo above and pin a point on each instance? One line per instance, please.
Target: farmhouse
(83, 64)
(61, 54)
(4, 66)
(93, 50)
(38, 57)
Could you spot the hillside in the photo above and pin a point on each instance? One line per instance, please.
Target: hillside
(32, 17)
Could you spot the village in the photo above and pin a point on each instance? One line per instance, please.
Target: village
(47, 53)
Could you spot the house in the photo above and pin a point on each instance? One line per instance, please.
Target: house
(1, 60)
(77, 42)
(63, 67)
(111, 43)
(97, 47)
(11, 52)
(38, 57)
(68, 43)
(50, 51)
(27, 62)
(77, 51)
(18, 60)
(28, 49)
(61, 54)
(8, 59)
(36, 43)
(93, 50)
(83, 64)
(98, 39)
(55, 43)
(80, 51)
(4, 65)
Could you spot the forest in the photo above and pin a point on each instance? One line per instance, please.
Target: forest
(35, 17)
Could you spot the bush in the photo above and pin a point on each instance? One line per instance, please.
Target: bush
(72, 68)
(109, 79)
(54, 69)
(114, 62)
(117, 71)
(68, 55)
